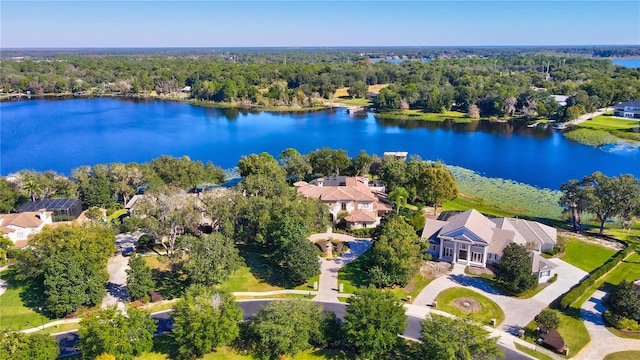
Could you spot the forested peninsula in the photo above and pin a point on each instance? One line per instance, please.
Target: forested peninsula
(480, 84)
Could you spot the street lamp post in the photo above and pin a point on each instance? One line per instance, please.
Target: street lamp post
(41, 317)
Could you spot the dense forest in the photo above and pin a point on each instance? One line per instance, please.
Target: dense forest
(491, 86)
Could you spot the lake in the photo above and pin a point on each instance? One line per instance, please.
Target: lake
(628, 63)
(64, 134)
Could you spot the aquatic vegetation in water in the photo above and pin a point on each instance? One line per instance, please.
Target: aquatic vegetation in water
(508, 194)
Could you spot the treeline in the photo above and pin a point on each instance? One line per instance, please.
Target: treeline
(511, 86)
(328, 54)
(500, 86)
(106, 185)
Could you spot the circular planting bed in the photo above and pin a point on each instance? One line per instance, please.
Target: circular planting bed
(468, 303)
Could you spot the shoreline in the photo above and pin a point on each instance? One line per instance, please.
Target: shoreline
(204, 103)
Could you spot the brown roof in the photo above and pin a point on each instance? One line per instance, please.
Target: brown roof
(553, 339)
(29, 219)
(337, 193)
(360, 216)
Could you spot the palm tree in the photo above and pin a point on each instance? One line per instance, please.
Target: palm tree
(398, 197)
(31, 189)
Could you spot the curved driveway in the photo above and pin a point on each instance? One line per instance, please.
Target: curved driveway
(328, 287)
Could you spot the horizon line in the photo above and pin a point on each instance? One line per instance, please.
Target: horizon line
(316, 47)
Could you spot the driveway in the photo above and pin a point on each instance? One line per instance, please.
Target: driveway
(116, 267)
(517, 312)
(328, 287)
(602, 342)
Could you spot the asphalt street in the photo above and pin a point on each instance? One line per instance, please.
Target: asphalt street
(69, 339)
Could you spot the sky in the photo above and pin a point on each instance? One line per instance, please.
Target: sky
(100, 24)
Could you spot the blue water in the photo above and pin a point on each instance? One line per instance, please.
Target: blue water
(64, 134)
(628, 63)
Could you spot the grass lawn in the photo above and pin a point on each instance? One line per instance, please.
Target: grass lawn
(489, 308)
(352, 275)
(17, 304)
(608, 122)
(623, 355)
(571, 328)
(456, 116)
(309, 284)
(535, 354)
(413, 288)
(164, 348)
(59, 328)
(628, 269)
(116, 215)
(356, 102)
(586, 255)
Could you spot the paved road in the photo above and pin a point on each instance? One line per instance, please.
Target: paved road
(603, 341)
(250, 307)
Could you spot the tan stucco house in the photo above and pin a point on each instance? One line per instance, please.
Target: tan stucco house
(472, 239)
(363, 202)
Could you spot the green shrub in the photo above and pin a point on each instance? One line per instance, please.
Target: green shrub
(553, 279)
(572, 295)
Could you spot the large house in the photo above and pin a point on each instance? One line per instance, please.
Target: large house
(363, 202)
(19, 226)
(629, 109)
(472, 239)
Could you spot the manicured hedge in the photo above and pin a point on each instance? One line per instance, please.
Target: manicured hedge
(573, 294)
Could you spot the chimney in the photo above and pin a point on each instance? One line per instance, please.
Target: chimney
(43, 214)
(366, 180)
(320, 182)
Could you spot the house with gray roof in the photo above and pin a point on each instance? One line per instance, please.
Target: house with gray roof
(472, 239)
(629, 109)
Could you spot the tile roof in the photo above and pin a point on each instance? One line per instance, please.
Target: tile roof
(361, 216)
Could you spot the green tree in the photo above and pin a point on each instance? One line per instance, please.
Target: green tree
(184, 173)
(548, 319)
(171, 213)
(299, 260)
(8, 196)
(19, 346)
(397, 252)
(204, 319)
(575, 200)
(454, 338)
(286, 328)
(31, 189)
(623, 301)
(70, 261)
(111, 332)
(294, 164)
(139, 278)
(610, 196)
(398, 197)
(94, 214)
(209, 259)
(437, 185)
(358, 89)
(362, 163)
(262, 164)
(514, 269)
(328, 161)
(373, 321)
